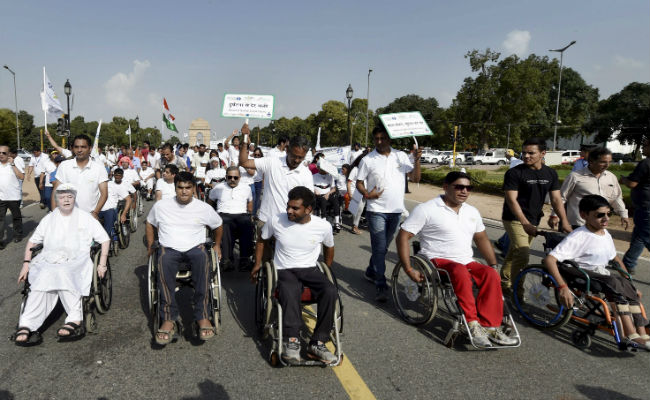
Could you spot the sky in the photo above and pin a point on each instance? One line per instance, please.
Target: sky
(123, 57)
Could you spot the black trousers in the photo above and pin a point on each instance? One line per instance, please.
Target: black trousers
(236, 226)
(327, 207)
(168, 262)
(290, 285)
(37, 181)
(14, 207)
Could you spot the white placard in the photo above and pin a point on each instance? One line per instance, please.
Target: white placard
(200, 172)
(405, 124)
(257, 106)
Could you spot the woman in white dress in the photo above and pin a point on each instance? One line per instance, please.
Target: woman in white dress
(62, 270)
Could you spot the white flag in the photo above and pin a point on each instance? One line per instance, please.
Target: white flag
(128, 131)
(94, 152)
(49, 101)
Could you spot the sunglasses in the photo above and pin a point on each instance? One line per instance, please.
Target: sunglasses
(234, 178)
(4, 153)
(601, 215)
(460, 188)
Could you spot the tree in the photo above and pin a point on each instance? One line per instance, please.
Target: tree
(624, 115)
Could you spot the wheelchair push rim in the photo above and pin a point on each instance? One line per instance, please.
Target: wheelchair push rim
(263, 302)
(537, 300)
(417, 303)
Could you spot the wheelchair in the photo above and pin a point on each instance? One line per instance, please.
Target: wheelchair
(184, 278)
(268, 314)
(537, 299)
(123, 230)
(417, 303)
(99, 298)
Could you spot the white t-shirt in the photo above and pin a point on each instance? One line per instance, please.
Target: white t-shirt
(130, 176)
(278, 181)
(66, 153)
(11, 188)
(233, 155)
(590, 251)
(275, 152)
(168, 190)
(182, 227)
(245, 177)
(224, 156)
(215, 174)
(116, 193)
(111, 158)
(231, 200)
(153, 159)
(353, 181)
(442, 232)
(49, 167)
(146, 172)
(322, 183)
(198, 159)
(354, 155)
(297, 245)
(341, 184)
(387, 174)
(86, 180)
(38, 163)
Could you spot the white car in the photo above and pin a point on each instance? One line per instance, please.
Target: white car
(428, 155)
(25, 155)
(491, 156)
(570, 156)
(441, 157)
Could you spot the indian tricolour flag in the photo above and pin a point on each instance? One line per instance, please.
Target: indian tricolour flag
(168, 118)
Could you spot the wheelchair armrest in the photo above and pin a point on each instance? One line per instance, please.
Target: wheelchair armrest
(36, 248)
(614, 265)
(416, 246)
(573, 264)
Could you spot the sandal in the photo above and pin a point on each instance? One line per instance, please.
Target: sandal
(205, 329)
(75, 332)
(356, 231)
(170, 336)
(33, 337)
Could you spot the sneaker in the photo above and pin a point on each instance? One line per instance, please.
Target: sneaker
(337, 228)
(318, 351)
(370, 277)
(479, 336)
(381, 295)
(497, 336)
(291, 351)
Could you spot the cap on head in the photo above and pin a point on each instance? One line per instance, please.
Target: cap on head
(66, 188)
(510, 152)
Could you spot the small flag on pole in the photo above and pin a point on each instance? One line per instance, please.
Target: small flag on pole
(128, 131)
(49, 101)
(168, 118)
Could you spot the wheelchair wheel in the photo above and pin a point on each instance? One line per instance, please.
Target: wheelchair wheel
(581, 339)
(140, 205)
(216, 292)
(152, 287)
(338, 308)
(416, 303)
(133, 220)
(90, 322)
(103, 288)
(537, 300)
(123, 235)
(263, 301)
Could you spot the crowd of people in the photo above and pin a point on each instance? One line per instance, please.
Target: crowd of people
(287, 205)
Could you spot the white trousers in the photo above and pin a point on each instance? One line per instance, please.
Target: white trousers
(149, 184)
(40, 304)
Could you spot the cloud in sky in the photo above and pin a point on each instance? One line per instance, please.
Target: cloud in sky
(625, 62)
(517, 42)
(119, 86)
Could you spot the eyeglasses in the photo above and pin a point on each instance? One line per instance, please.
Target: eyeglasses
(4, 153)
(601, 215)
(234, 178)
(460, 188)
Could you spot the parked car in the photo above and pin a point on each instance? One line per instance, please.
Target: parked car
(442, 156)
(491, 156)
(428, 155)
(616, 157)
(25, 155)
(570, 156)
(462, 157)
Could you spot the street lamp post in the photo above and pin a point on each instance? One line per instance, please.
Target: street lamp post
(67, 89)
(348, 94)
(559, 85)
(367, 105)
(16, 103)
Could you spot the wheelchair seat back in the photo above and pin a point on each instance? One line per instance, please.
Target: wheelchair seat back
(552, 239)
(577, 280)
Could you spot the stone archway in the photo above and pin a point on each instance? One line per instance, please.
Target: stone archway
(199, 132)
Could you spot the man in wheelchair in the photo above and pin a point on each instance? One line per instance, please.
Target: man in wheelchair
(298, 239)
(446, 226)
(117, 191)
(591, 247)
(181, 222)
(62, 270)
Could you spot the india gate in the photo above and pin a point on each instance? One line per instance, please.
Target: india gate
(199, 132)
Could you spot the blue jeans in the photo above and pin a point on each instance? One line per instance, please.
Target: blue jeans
(382, 230)
(109, 216)
(257, 196)
(640, 238)
(47, 196)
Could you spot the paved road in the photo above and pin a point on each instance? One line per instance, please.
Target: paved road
(393, 360)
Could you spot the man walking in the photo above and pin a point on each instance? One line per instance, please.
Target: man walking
(385, 171)
(11, 193)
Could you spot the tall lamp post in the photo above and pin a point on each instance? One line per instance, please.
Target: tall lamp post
(16, 102)
(367, 105)
(67, 89)
(559, 85)
(348, 94)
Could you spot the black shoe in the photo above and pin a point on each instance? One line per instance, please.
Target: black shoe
(381, 295)
(2, 245)
(18, 238)
(369, 277)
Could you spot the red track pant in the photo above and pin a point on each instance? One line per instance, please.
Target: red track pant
(487, 308)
